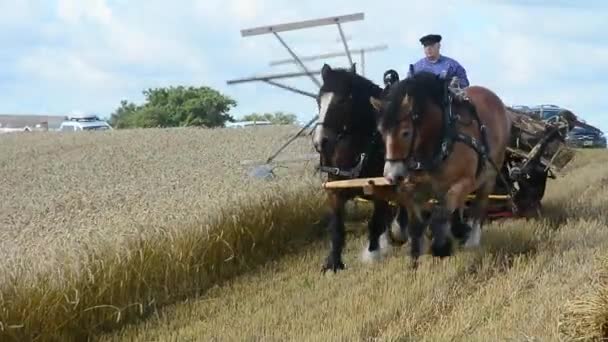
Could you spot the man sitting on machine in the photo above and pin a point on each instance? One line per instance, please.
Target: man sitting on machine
(442, 65)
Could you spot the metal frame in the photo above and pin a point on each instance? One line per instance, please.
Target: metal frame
(269, 79)
(361, 52)
(275, 29)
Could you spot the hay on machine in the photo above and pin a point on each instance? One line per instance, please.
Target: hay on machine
(537, 152)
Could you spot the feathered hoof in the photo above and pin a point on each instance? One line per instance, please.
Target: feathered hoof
(332, 264)
(442, 251)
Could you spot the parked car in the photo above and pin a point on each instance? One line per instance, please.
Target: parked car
(581, 136)
(586, 136)
(84, 123)
(546, 111)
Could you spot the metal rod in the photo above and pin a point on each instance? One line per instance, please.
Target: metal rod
(314, 79)
(292, 139)
(295, 90)
(272, 77)
(350, 59)
(329, 55)
(301, 158)
(363, 63)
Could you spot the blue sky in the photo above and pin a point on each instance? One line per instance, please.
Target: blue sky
(69, 56)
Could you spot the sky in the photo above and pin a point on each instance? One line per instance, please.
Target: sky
(68, 56)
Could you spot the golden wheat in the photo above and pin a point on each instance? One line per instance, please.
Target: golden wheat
(100, 228)
(516, 286)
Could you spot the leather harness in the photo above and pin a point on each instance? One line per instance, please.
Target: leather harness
(360, 167)
(449, 135)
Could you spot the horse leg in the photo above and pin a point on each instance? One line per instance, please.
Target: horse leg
(377, 228)
(416, 225)
(336, 231)
(460, 229)
(442, 213)
(478, 213)
(398, 227)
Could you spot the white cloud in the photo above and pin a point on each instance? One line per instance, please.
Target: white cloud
(63, 67)
(103, 51)
(92, 26)
(93, 51)
(79, 11)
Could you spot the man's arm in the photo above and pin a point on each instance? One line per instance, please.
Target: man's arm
(461, 73)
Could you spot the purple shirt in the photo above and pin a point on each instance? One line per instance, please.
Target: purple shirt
(443, 65)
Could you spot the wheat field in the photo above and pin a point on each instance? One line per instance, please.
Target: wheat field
(535, 280)
(102, 227)
(159, 235)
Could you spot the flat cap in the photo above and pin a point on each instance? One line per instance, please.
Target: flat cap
(430, 39)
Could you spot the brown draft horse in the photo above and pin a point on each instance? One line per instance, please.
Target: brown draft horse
(447, 148)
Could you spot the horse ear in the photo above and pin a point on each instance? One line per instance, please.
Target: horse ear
(325, 70)
(376, 103)
(353, 68)
(406, 102)
(411, 71)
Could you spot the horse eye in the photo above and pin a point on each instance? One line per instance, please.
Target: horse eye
(406, 134)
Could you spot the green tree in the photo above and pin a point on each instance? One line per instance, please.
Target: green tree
(175, 106)
(277, 118)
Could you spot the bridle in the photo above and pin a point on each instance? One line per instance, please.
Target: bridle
(409, 160)
(342, 133)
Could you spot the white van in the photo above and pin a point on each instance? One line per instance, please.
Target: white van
(241, 124)
(84, 123)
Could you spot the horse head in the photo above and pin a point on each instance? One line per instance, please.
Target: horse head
(410, 122)
(346, 118)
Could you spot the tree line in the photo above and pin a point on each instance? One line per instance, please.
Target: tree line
(186, 106)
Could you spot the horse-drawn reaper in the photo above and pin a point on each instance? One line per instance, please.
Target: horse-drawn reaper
(446, 157)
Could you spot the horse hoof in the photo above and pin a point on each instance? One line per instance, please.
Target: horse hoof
(442, 251)
(462, 232)
(386, 243)
(370, 257)
(474, 239)
(398, 236)
(332, 265)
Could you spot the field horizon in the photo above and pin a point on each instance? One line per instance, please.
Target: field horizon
(159, 234)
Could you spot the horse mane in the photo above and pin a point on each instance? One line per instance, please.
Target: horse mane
(421, 87)
(345, 81)
(360, 85)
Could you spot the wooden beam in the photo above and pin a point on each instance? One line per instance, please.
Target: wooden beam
(301, 24)
(356, 183)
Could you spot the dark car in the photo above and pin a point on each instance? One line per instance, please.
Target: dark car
(586, 136)
(546, 112)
